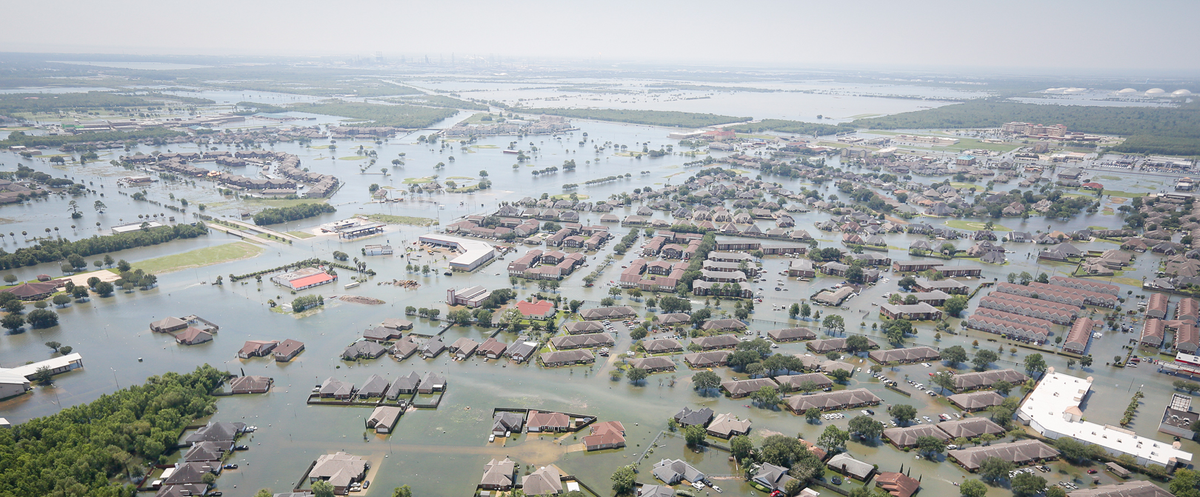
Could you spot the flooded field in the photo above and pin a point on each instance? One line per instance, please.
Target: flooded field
(442, 451)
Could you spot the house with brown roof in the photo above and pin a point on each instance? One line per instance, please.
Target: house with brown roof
(653, 364)
(250, 384)
(711, 359)
(1020, 452)
(492, 348)
(547, 480)
(727, 425)
(463, 348)
(547, 422)
(256, 348)
(662, 346)
(716, 342)
(741, 388)
(833, 401)
(976, 401)
(791, 334)
(36, 290)
(605, 435)
(168, 324)
(340, 470)
(897, 484)
(499, 475)
(193, 336)
(287, 350)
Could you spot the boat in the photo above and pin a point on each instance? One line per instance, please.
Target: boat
(351, 285)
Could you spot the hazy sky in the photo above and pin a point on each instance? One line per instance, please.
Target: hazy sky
(1122, 37)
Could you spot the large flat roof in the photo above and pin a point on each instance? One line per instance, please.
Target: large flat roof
(51, 363)
(1054, 404)
(473, 250)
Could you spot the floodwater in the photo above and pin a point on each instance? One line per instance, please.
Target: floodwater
(442, 451)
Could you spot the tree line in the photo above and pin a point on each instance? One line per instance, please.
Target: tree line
(60, 249)
(650, 117)
(276, 215)
(46, 141)
(797, 127)
(82, 449)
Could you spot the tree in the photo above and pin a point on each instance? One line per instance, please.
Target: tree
(833, 439)
(929, 445)
(1025, 277)
(973, 488)
(1073, 450)
(840, 375)
(983, 359)
(636, 375)
(105, 288)
(264, 492)
(61, 300)
(10, 278)
(955, 305)
(1059, 492)
(740, 446)
(857, 343)
(65, 350)
(705, 381)
(897, 329)
(812, 414)
(108, 260)
(1027, 484)
(42, 318)
(14, 306)
(903, 413)
(1183, 484)
(322, 488)
(995, 469)
(944, 380)
(766, 396)
(866, 427)
(12, 322)
(53, 345)
(43, 376)
(793, 311)
(1002, 387)
(1034, 364)
(835, 323)
(694, 435)
(123, 266)
(623, 480)
(954, 355)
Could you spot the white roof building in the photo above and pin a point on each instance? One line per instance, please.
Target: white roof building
(474, 252)
(56, 365)
(1053, 410)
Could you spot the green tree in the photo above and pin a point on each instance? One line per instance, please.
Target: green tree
(14, 306)
(954, 355)
(866, 427)
(805, 310)
(972, 488)
(1002, 387)
(793, 311)
(322, 488)
(1027, 484)
(53, 345)
(995, 469)
(897, 329)
(1056, 492)
(929, 445)
(1035, 364)
(740, 446)
(857, 343)
(812, 414)
(955, 305)
(43, 376)
(766, 396)
(833, 439)
(835, 323)
(61, 300)
(1183, 483)
(840, 375)
(42, 318)
(903, 413)
(983, 359)
(694, 435)
(623, 480)
(1085, 361)
(636, 375)
(264, 492)
(12, 322)
(705, 381)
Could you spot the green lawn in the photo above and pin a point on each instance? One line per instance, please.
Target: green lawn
(280, 202)
(390, 219)
(301, 234)
(974, 225)
(200, 257)
(417, 181)
(1118, 193)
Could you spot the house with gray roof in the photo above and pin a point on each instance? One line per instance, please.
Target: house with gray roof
(431, 382)
(507, 422)
(405, 385)
(688, 417)
(375, 386)
(363, 350)
(675, 471)
(772, 476)
(431, 348)
(976, 401)
(334, 388)
(851, 467)
(707, 359)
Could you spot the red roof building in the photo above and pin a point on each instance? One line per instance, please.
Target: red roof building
(541, 309)
(311, 281)
(897, 484)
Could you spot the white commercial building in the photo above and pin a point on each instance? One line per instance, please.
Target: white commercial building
(1052, 409)
(474, 252)
(12, 384)
(56, 365)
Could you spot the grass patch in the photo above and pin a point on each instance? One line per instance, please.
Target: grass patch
(651, 117)
(301, 234)
(974, 225)
(1108, 177)
(1118, 193)
(280, 202)
(417, 181)
(966, 185)
(390, 219)
(1128, 281)
(564, 196)
(200, 257)
(354, 157)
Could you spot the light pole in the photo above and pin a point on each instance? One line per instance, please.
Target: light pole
(114, 372)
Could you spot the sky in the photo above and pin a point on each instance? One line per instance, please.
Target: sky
(1151, 37)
